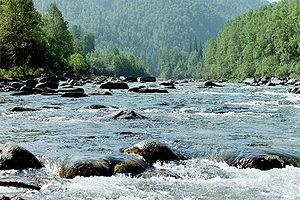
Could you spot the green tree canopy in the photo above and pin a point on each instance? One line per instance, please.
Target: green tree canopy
(19, 27)
(261, 43)
(59, 38)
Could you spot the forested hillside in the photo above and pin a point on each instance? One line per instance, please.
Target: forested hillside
(261, 43)
(150, 28)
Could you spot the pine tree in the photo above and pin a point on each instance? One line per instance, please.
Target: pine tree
(59, 38)
(19, 23)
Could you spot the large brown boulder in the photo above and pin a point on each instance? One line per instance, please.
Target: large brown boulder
(86, 168)
(17, 158)
(153, 152)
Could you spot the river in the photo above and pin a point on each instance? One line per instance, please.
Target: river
(195, 121)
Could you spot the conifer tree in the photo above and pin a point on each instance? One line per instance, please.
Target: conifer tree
(59, 38)
(19, 22)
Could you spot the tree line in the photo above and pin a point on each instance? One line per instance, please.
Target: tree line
(31, 43)
(151, 29)
(261, 43)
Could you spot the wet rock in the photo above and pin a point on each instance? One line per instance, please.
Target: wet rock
(74, 94)
(260, 160)
(21, 93)
(114, 85)
(128, 115)
(96, 107)
(146, 79)
(277, 81)
(250, 81)
(23, 109)
(49, 82)
(101, 93)
(211, 84)
(10, 198)
(72, 90)
(153, 152)
(31, 83)
(294, 90)
(142, 89)
(158, 173)
(167, 84)
(19, 185)
(291, 82)
(16, 85)
(86, 168)
(131, 166)
(17, 158)
(130, 79)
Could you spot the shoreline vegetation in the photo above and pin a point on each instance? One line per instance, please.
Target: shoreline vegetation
(258, 45)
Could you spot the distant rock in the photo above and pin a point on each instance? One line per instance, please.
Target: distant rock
(96, 107)
(17, 158)
(211, 84)
(23, 109)
(294, 90)
(142, 89)
(250, 81)
(114, 85)
(101, 93)
(146, 79)
(72, 90)
(128, 115)
(74, 95)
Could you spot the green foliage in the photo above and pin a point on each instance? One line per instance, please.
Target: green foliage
(19, 27)
(84, 43)
(59, 38)
(147, 27)
(116, 63)
(261, 43)
(23, 72)
(78, 65)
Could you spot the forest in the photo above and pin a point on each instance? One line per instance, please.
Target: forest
(265, 42)
(32, 44)
(154, 29)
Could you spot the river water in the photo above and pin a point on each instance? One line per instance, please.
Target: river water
(197, 122)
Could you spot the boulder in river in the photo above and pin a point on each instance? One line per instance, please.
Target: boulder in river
(128, 115)
(211, 84)
(95, 107)
(146, 79)
(132, 166)
(260, 160)
(114, 85)
(74, 94)
(23, 109)
(153, 152)
(86, 168)
(17, 158)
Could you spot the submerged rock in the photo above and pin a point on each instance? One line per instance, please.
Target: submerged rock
(87, 168)
(259, 160)
(96, 107)
(128, 115)
(153, 152)
(158, 173)
(18, 158)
